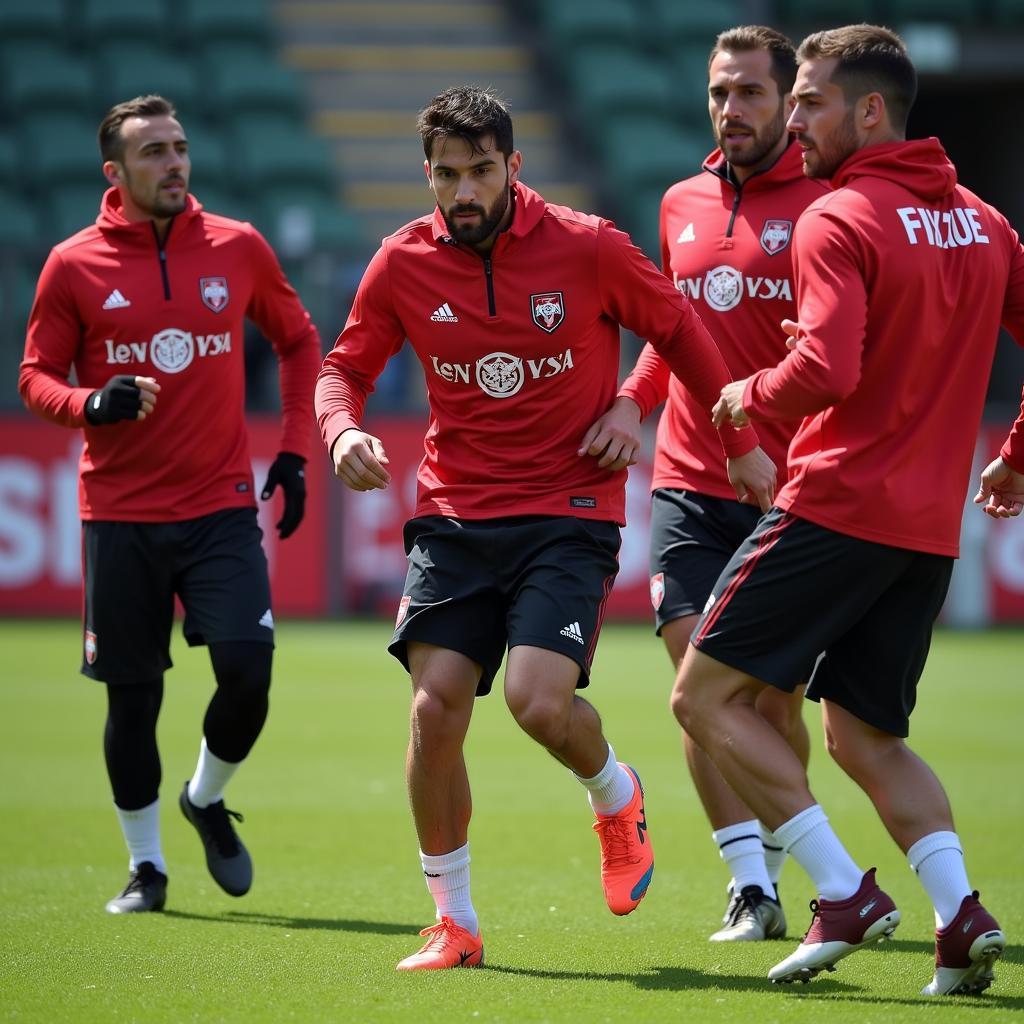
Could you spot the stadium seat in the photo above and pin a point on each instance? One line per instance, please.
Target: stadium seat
(1008, 12)
(569, 24)
(39, 20)
(297, 222)
(672, 23)
(70, 209)
(278, 151)
(648, 152)
(817, 14)
(103, 21)
(688, 69)
(224, 19)
(226, 202)
(19, 224)
(207, 150)
(959, 12)
(615, 79)
(126, 69)
(43, 78)
(9, 162)
(240, 86)
(64, 151)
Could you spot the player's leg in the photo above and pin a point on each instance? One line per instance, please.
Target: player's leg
(765, 623)
(560, 573)
(867, 685)
(221, 577)
(128, 610)
(450, 637)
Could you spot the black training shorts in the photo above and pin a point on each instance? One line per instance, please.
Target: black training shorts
(479, 586)
(795, 589)
(215, 564)
(693, 536)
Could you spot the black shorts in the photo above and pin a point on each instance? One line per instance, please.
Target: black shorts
(215, 564)
(693, 536)
(795, 589)
(479, 586)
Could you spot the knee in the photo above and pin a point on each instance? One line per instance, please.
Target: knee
(437, 716)
(542, 717)
(243, 669)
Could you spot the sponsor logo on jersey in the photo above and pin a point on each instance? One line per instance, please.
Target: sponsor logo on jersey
(775, 236)
(90, 647)
(686, 235)
(170, 350)
(444, 315)
(724, 287)
(503, 374)
(548, 310)
(572, 631)
(115, 300)
(214, 293)
(945, 229)
(657, 590)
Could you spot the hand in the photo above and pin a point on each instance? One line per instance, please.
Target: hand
(790, 328)
(359, 461)
(614, 438)
(729, 408)
(1003, 490)
(287, 470)
(123, 397)
(753, 478)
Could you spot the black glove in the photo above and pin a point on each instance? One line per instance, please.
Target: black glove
(119, 399)
(287, 471)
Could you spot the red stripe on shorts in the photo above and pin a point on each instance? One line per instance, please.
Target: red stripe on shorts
(608, 581)
(766, 542)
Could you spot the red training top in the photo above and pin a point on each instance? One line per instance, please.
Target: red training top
(727, 248)
(110, 301)
(521, 353)
(903, 278)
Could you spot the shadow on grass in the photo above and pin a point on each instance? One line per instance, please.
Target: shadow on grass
(296, 924)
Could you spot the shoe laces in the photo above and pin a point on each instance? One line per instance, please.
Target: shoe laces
(140, 878)
(815, 909)
(441, 934)
(217, 818)
(616, 837)
(744, 904)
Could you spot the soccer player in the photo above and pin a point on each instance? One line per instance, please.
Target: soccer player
(147, 307)
(726, 242)
(513, 307)
(903, 278)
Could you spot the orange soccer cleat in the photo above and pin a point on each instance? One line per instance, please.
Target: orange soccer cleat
(448, 946)
(627, 859)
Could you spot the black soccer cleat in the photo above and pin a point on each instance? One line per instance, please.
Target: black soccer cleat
(226, 857)
(146, 890)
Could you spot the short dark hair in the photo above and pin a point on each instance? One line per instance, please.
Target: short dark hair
(470, 114)
(111, 140)
(871, 59)
(746, 38)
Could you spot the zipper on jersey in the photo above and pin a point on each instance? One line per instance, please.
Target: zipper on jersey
(162, 255)
(489, 277)
(735, 208)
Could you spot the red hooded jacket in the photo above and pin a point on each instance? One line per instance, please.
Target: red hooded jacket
(111, 301)
(521, 354)
(728, 249)
(903, 278)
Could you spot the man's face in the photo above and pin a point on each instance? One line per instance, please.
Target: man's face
(823, 123)
(472, 188)
(748, 113)
(153, 171)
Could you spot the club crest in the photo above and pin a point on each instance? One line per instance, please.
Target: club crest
(90, 647)
(548, 310)
(775, 236)
(214, 292)
(657, 590)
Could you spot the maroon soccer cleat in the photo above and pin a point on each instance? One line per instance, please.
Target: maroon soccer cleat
(965, 951)
(839, 928)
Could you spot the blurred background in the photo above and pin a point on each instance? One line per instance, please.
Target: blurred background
(300, 116)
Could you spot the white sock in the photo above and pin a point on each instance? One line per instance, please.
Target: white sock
(447, 876)
(774, 853)
(741, 849)
(816, 848)
(611, 788)
(938, 860)
(211, 776)
(141, 831)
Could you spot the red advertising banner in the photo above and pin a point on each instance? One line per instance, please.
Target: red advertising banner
(40, 533)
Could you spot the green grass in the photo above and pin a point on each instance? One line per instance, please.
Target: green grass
(339, 897)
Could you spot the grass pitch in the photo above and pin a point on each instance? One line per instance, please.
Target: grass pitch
(338, 897)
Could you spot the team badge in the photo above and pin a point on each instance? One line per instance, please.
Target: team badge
(214, 292)
(775, 236)
(90, 647)
(723, 288)
(657, 589)
(500, 374)
(403, 608)
(548, 310)
(171, 350)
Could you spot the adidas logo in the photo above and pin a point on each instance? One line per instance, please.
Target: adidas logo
(115, 300)
(686, 235)
(573, 630)
(444, 315)
(266, 619)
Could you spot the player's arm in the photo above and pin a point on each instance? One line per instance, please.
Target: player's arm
(372, 334)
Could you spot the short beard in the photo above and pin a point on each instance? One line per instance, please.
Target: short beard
(762, 144)
(467, 234)
(160, 207)
(838, 148)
